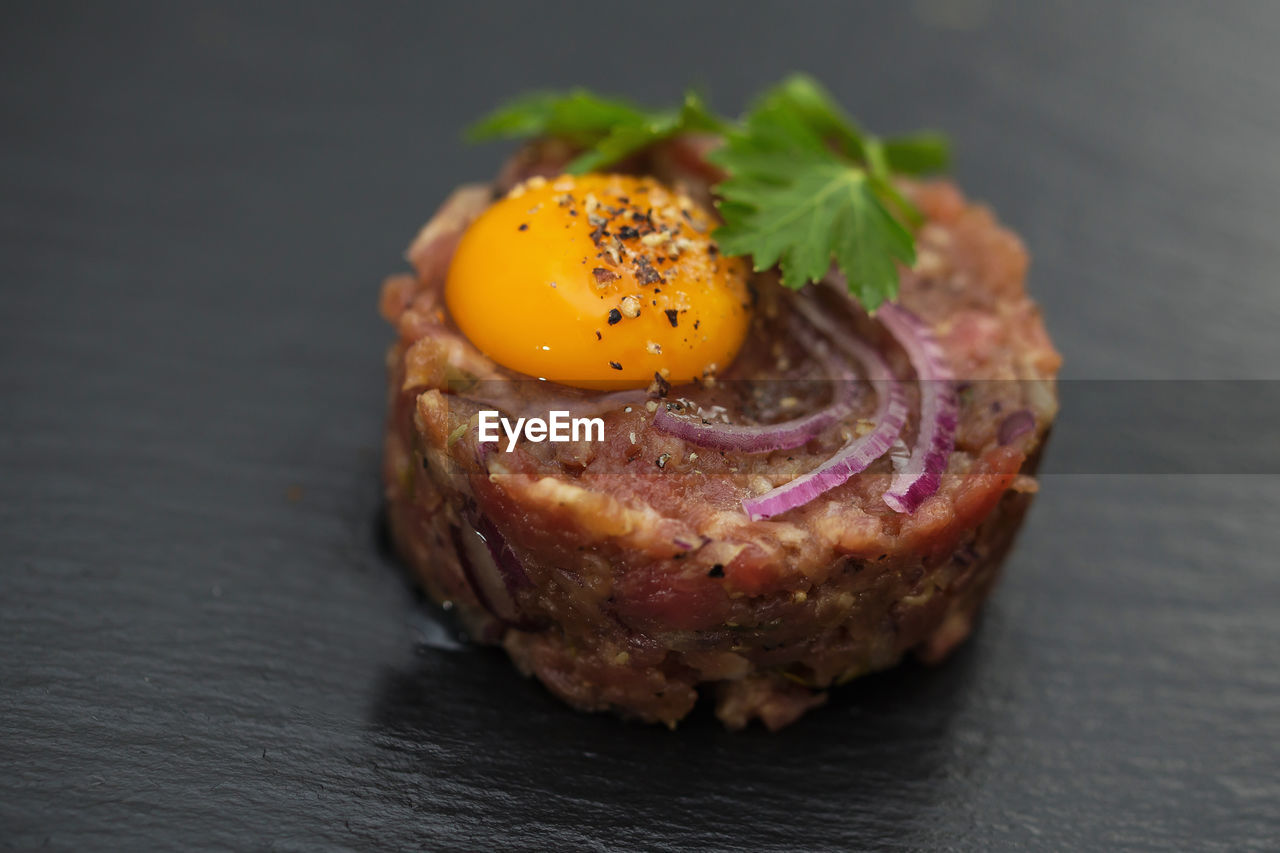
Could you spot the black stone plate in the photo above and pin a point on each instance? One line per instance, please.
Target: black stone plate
(202, 641)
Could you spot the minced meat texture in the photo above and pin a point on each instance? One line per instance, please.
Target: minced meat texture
(648, 581)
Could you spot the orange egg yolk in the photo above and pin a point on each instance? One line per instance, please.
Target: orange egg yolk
(599, 281)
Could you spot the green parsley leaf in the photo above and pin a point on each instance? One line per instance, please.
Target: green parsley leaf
(609, 129)
(802, 99)
(918, 153)
(793, 202)
(627, 138)
(807, 186)
(578, 116)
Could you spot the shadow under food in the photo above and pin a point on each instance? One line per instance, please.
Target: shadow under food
(519, 761)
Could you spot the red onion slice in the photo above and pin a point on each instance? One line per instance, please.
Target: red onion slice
(1015, 426)
(492, 570)
(740, 438)
(939, 410)
(513, 574)
(899, 454)
(858, 453)
(482, 573)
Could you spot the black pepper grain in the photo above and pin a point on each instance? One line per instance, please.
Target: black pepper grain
(646, 273)
(615, 365)
(673, 317)
(663, 387)
(615, 316)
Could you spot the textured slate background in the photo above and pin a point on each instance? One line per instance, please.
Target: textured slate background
(203, 642)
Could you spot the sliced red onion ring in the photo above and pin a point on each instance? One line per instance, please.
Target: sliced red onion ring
(899, 454)
(1015, 426)
(513, 573)
(764, 438)
(858, 453)
(493, 571)
(939, 410)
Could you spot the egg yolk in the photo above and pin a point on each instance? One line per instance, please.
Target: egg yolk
(599, 281)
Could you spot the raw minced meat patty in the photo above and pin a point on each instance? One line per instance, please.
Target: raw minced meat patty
(638, 577)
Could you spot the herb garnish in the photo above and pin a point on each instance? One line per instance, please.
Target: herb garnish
(806, 186)
(609, 129)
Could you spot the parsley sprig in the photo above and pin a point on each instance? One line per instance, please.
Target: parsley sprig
(806, 185)
(608, 129)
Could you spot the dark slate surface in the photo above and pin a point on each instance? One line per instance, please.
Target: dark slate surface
(202, 640)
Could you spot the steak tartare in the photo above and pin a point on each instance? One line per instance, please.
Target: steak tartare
(625, 573)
